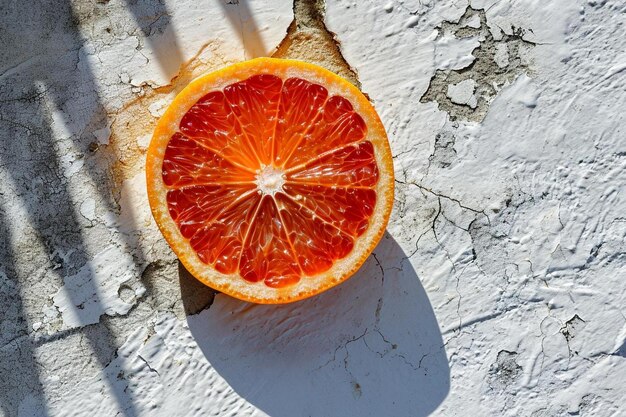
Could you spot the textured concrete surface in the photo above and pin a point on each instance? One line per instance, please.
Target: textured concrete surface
(498, 289)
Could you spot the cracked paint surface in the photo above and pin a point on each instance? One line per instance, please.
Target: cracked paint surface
(466, 90)
(497, 290)
(509, 207)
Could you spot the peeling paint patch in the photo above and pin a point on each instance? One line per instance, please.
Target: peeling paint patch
(505, 370)
(95, 289)
(496, 63)
(309, 39)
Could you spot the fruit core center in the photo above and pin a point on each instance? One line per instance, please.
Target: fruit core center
(270, 180)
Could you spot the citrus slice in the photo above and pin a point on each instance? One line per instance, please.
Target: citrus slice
(271, 180)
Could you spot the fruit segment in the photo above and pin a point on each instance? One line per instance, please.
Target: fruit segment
(186, 162)
(194, 207)
(351, 166)
(338, 125)
(348, 209)
(255, 103)
(219, 242)
(317, 244)
(212, 122)
(267, 255)
(300, 113)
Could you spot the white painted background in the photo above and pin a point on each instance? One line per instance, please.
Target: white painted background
(497, 291)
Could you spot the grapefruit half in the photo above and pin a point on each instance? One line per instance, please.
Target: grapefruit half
(271, 179)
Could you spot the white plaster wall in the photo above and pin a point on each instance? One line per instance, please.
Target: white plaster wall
(497, 291)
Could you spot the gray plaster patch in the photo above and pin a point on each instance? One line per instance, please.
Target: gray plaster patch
(444, 153)
(570, 331)
(572, 327)
(496, 64)
(490, 234)
(126, 293)
(505, 371)
(309, 39)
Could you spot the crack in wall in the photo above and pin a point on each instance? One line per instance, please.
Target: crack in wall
(497, 63)
(438, 218)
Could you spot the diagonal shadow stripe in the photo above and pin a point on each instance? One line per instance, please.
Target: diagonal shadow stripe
(51, 213)
(34, 34)
(242, 20)
(153, 19)
(22, 370)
